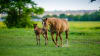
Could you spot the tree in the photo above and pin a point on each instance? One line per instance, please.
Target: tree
(47, 16)
(62, 16)
(55, 16)
(95, 16)
(70, 17)
(77, 17)
(38, 10)
(85, 17)
(19, 12)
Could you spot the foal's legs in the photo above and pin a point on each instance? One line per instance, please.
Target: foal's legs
(66, 37)
(45, 39)
(37, 39)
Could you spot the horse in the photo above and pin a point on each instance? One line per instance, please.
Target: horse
(40, 31)
(57, 26)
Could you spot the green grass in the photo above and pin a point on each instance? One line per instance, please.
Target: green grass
(84, 40)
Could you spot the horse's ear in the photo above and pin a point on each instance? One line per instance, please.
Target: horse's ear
(46, 18)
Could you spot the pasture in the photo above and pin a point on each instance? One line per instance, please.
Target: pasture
(84, 40)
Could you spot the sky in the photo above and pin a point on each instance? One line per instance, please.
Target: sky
(50, 5)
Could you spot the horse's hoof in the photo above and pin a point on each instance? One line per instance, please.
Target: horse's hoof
(57, 46)
(45, 44)
(65, 45)
(61, 45)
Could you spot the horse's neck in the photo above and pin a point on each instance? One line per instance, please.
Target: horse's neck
(51, 21)
(36, 28)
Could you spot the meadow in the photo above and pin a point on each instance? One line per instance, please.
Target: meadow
(84, 40)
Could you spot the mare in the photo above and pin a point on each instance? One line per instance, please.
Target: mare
(57, 26)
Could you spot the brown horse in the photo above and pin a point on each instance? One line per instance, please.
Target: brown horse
(56, 26)
(40, 31)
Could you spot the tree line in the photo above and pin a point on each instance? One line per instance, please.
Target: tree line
(95, 16)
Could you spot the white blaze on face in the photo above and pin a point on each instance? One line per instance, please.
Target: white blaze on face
(43, 23)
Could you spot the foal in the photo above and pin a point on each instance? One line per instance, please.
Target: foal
(40, 31)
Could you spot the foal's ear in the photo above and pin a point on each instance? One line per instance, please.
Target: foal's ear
(34, 24)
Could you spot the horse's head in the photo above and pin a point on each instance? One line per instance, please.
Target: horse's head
(35, 26)
(45, 23)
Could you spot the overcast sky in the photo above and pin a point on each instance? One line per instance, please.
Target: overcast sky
(50, 5)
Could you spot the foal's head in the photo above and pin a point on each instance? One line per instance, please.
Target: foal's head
(35, 26)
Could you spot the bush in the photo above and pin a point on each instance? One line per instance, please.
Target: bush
(18, 21)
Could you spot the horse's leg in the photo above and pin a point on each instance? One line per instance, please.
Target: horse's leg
(39, 39)
(57, 38)
(45, 39)
(66, 37)
(53, 38)
(60, 38)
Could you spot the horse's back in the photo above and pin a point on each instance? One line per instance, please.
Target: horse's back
(60, 24)
(64, 25)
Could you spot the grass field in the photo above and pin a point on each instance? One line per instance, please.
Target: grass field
(84, 40)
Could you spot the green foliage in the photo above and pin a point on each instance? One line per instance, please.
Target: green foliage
(62, 16)
(85, 17)
(47, 16)
(2, 25)
(77, 17)
(70, 17)
(19, 14)
(35, 17)
(91, 17)
(38, 10)
(95, 16)
(55, 16)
